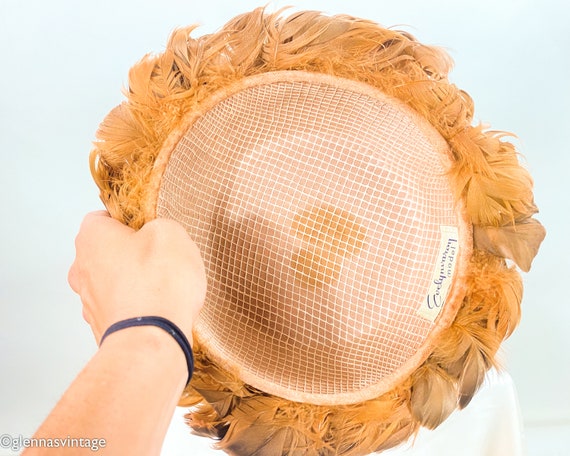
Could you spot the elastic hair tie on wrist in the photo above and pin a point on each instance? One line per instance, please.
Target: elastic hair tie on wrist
(160, 322)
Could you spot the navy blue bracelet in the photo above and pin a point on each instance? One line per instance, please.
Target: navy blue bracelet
(163, 323)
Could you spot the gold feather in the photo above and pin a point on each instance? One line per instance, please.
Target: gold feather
(377, 424)
(494, 298)
(205, 422)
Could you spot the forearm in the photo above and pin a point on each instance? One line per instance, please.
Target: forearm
(126, 395)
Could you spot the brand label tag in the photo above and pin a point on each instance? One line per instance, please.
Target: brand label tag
(442, 274)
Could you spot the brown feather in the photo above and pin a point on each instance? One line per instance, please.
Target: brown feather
(518, 242)
(256, 429)
(472, 375)
(434, 396)
(459, 356)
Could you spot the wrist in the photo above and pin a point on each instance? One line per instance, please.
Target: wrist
(141, 345)
(124, 316)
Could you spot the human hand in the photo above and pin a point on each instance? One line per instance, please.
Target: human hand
(121, 273)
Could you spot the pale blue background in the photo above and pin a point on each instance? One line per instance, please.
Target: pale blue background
(62, 65)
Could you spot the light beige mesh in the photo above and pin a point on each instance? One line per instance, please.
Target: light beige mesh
(328, 229)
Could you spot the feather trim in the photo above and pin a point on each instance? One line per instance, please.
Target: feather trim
(256, 423)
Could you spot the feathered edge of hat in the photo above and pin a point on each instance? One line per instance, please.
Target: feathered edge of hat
(486, 175)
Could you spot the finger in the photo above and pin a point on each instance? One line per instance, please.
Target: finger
(95, 219)
(99, 229)
(88, 317)
(99, 213)
(73, 277)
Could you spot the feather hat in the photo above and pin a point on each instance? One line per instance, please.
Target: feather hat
(362, 237)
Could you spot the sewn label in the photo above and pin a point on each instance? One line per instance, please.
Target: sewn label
(442, 275)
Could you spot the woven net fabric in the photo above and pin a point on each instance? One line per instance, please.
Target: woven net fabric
(328, 228)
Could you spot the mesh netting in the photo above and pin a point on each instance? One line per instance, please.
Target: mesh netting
(319, 210)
